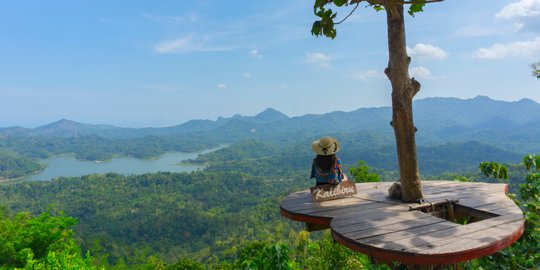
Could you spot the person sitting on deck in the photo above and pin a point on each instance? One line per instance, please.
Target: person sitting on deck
(326, 166)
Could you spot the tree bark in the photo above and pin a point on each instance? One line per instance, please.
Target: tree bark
(403, 90)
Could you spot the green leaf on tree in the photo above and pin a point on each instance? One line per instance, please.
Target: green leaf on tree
(378, 8)
(340, 3)
(417, 7)
(316, 28)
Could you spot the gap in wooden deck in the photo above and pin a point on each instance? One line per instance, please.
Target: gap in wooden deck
(456, 213)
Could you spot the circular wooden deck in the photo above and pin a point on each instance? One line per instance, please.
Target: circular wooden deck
(387, 230)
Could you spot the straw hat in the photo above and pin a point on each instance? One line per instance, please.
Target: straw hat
(325, 146)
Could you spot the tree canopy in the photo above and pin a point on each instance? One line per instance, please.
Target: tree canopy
(326, 24)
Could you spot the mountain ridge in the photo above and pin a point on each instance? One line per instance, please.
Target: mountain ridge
(271, 114)
(438, 119)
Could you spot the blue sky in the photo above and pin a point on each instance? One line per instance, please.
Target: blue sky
(161, 63)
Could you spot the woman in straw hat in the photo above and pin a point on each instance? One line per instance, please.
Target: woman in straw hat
(326, 166)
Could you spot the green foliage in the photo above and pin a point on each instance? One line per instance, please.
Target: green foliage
(525, 253)
(417, 6)
(531, 162)
(262, 256)
(325, 25)
(185, 264)
(361, 173)
(494, 169)
(64, 260)
(299, 252)
(43, 242)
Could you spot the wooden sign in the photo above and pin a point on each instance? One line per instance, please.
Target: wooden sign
(332, 192)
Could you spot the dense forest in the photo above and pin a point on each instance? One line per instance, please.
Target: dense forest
(201, 215)
(208, 219)
(227, 216)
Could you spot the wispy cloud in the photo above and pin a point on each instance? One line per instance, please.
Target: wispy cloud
(255, 54)
(246, 74)
(221, 86)
(191, 18)
(318, 59)
(516, 49)
(366, 75)
(188, 44)
(420, 72)
(520, 9)
(422, 50)
(175, 46)
(255, 30)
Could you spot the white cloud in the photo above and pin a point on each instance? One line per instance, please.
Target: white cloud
(420, 72)
(255, 54)
(525, 15)
(190, 43)
(366, 75)
(520, 9)
(427, 51)
(318, 59)
(221, 86)
(516, 49)
(246, 74)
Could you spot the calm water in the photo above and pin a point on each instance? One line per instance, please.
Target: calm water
(70, 166)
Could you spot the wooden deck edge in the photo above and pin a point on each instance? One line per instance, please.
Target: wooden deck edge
(430, 259)
(322, 221)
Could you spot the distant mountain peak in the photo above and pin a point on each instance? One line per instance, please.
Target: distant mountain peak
(527, 101)
(480, 97)
(270, 115)
(61, 123)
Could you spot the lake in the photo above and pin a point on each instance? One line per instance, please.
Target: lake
(68, 165)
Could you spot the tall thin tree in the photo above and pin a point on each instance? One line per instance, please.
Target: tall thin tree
(404, 88)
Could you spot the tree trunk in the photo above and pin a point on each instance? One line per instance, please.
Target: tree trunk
(403, 90)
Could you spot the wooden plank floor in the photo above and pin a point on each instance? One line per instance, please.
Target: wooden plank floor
(385, 229)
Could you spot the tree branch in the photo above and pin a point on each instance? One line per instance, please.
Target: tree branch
(416, 86)
(409, 2)
(352, 11)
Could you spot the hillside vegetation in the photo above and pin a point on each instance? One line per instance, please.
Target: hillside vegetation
(218, 219)
(14, 165)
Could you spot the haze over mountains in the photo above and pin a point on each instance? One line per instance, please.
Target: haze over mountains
(438, 120)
